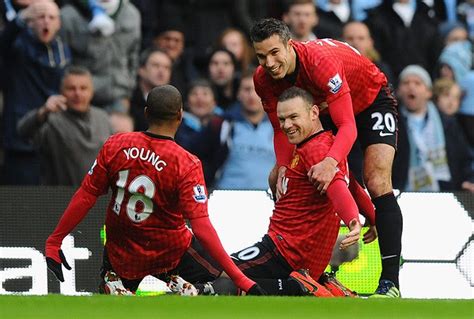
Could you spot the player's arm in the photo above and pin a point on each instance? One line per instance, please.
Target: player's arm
(347, 210)
(79, 206)
(366, 208)
(193, 205)
(207, 236)
(342, 115)
(95, 183)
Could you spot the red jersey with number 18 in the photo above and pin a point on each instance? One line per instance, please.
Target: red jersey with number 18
(304, 224)
(155, 184)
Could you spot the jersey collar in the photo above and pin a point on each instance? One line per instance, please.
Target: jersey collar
(163, 137)
(310, 138)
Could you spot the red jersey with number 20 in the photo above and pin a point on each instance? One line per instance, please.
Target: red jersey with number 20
(304, 225)
(155, 184)
(328, 69)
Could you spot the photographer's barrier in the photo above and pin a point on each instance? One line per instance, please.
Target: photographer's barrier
(437, 253)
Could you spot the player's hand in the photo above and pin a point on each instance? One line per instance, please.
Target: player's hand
(55, 266)
(321, 174)
(281, 185)
(256, 290)
(370, 235)
(353, 236)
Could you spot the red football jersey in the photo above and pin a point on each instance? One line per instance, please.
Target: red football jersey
(304, 224)
(328, 69)
(155, 184)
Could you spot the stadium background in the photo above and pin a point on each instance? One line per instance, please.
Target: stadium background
(438, 245)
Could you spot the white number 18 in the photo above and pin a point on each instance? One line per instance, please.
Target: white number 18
(145, 198)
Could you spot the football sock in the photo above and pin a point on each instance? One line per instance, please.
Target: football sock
(280, 287)
(388, 219)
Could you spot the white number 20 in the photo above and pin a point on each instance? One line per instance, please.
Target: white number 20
(145, 198)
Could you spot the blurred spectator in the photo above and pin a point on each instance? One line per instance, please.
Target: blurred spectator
(301, 18)
(222, 74)
(358, 35)
(36, 58)
(246, 12)
(68, 130)
(155, 69)
(171, 39)
(466, 111)
(236, 42)
(433, 152)
(333, 14)
(112, 60)
(466, 12)
(149, 10)
(248, 137)
(201, 112)
(453, 32)
(455, 61)
(447, 96)
(120, 122)
(205, 21)
(404, 33)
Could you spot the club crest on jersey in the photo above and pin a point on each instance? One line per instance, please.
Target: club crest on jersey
(294, 161)
(335, 83)
(199, 194)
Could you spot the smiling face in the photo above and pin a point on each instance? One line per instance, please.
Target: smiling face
(276, 57)
(45, 21)
(298, 119)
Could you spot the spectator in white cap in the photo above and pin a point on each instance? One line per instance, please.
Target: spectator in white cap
(433, 151)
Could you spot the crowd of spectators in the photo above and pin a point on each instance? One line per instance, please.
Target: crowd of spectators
(127, 47)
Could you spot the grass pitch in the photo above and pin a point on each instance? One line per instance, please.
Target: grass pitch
(168, 307)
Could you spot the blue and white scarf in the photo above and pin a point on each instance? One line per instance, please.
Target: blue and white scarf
(428, 159)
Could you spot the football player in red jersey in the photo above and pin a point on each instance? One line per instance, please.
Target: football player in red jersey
(304, 226)
(156, 185)
(354, 94)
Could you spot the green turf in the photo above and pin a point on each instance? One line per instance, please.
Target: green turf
(166, 307)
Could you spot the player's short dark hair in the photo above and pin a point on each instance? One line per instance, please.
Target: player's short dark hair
(163, 103)
(294, 92)
(265, 28)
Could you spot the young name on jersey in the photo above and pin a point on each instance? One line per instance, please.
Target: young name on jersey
(145, 155)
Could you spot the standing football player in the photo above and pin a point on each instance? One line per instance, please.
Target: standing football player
(156, 185)
(355, 94)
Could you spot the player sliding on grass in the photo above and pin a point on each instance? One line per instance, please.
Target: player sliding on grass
(304, 226)
(155, 185)
(355, 94)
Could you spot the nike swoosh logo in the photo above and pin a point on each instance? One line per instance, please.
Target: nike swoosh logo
(389, 256)
(385, 134)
